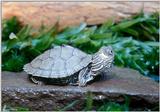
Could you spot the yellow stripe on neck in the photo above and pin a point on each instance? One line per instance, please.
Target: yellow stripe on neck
(103, 56)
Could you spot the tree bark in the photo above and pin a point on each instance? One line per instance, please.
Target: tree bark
(73, 13)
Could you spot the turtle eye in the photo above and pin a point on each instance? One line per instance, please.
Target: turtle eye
(110, 52)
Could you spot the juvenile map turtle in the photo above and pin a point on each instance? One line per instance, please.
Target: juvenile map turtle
(68, 65)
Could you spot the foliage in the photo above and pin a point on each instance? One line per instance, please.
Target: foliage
(91, 105)
(24, 47)
(12, 25)
(107, 105)
(7, 108)
(89, 101)
(113, 106)
(125, 37)
(141, 26)
(68, 107)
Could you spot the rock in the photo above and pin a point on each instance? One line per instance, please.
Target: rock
(17, 90)
(73, 13)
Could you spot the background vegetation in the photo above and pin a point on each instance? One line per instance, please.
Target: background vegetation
(134, 40)
(92, 105)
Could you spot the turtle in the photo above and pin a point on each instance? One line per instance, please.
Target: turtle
(67, 65)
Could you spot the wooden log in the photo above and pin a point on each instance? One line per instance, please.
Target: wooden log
(73, 13)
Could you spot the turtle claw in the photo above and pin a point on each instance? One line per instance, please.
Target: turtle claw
(74, 84)
(40, 83)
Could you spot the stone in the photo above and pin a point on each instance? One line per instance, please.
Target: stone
(73, 13)
(17, 90)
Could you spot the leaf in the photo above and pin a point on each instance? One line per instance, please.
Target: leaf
(119, 61)
(60, 41)
(105, 27)
(12, 36)
(96, 44)
(126, 24)
(4, 47)
(71, 105)
(131, 32)
(153, 44)
(22, 45)
(7, 108)
(11, 43)
(146, 28)
(32, 52)
(101, 36)
(152, 28)
(89, 101)
(79, 41)
(149, 36)
(9, 26)
(72, 31)
(15, 63)
(24, 32)
(111, 106)
(44, 41)
(136, 66)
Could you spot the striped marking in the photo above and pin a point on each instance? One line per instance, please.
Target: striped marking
(97, 63)
(96, 60)
(97, 69)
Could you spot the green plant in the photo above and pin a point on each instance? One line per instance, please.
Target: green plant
(8, 26)
(113, 106)
(7, 108)
(141, 26)
(91, 104)
(69, 106)
(24, 47)
(89, 101)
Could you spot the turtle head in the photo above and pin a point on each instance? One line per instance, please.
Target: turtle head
(103, 59)
(106, 53)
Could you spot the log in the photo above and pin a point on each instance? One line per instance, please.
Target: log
(18, 91)
(73, 13)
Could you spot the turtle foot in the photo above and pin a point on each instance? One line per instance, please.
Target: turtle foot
(36, 81)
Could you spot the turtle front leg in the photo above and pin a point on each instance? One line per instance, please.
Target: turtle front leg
(85, 76)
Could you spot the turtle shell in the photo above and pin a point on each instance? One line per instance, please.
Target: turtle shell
(58, 62)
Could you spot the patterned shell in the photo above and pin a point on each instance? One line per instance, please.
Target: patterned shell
(58, 62)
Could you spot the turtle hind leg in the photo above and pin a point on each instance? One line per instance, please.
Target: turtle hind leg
(72, 80)
(36, 80)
